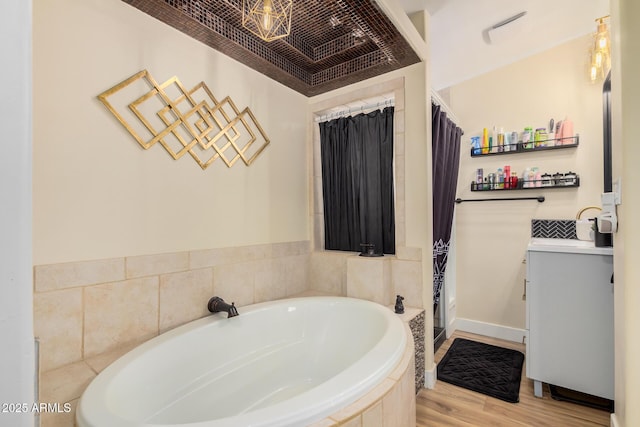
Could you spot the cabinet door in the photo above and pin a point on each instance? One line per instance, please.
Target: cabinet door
(570, 315)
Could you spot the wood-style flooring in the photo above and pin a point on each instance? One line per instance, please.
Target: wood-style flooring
(449, 405)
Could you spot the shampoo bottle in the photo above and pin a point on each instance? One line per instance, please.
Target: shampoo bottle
(501, 145)
(485, 141)
(567, 132)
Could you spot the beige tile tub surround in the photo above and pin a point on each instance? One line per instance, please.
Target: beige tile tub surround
(72, 274)
(57, 317)
(182, 296)
(64, 385)
(119, 313)
(229, 279)
(67, 384)
(152, 265)
(404, 277)
(369, 278)
(377, 279)
(86, 326)
(85, 308)
(328, 271)
(392, 403)
(89, 313)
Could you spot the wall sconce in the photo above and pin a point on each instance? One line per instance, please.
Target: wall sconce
(600, 53)
(268, 19)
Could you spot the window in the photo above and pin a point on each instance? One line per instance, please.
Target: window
(357, 181)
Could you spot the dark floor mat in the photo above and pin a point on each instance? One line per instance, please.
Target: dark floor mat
(566, 395)
(485, 368)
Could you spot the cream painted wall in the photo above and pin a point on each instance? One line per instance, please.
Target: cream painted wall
(492, 236)
(98, 194)
(626, 151)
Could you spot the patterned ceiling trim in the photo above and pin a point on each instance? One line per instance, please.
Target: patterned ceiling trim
(333, 43)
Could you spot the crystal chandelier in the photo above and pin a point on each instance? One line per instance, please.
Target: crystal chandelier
(600, 53)
(268, 19)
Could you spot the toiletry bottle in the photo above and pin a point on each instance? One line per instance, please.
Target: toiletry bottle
(494, 138)
(567, 132)
(559, 129)
(525, 178)
(514, 180)
(500, 179)
(485, 141)
(538, 177)
(475, 145)
(540, 137)
(527, 138)
(501, 140)
(507, 177)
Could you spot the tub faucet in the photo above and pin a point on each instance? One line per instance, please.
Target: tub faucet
(217, 304)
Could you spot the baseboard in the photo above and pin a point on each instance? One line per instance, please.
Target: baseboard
(614, 421)
(451, 327)
(491, 330)
(430, 377)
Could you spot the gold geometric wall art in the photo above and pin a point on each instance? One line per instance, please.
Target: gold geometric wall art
(185, 121)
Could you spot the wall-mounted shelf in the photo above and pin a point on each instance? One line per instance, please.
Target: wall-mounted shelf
(502, 199)
(570, 142)
(520, 186)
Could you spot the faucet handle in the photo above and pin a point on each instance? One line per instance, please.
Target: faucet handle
(399, 308)
(233, 311)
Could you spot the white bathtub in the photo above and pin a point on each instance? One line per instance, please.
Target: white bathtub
(283, 363)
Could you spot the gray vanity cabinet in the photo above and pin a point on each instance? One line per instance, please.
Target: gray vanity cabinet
(569, 295)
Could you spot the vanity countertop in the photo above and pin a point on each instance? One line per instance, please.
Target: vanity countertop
(567, 246)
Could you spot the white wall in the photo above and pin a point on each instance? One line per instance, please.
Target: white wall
(492, 236)
(16, 318)
(98, 194)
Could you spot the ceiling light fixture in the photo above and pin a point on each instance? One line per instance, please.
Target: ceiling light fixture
(268, 19)
(600, 53)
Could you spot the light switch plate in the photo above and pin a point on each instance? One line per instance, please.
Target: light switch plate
(617, 191)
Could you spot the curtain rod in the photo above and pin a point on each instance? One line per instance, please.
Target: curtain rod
(356, 108)
(538, 198)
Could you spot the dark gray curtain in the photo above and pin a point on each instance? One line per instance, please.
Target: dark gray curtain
(446, 160)
(357, 181)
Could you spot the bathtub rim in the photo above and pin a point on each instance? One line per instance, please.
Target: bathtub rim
(319, 409)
